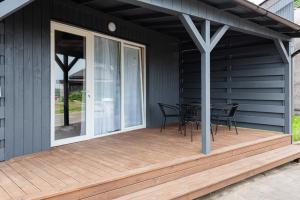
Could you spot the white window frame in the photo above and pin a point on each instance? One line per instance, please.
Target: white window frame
(89, 118)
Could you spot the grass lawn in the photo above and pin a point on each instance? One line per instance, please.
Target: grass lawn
(296, 128)
(74, 106)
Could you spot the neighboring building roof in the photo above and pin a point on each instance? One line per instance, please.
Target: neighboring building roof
(283, 8)
(241, 8)
(268, 3)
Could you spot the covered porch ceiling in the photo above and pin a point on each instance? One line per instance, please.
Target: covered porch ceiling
(171, 25)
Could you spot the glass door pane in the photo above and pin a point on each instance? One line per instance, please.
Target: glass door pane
(107, 86)
(70, 85)
(132, 87)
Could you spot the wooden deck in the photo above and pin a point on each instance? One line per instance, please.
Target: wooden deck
(76, 166)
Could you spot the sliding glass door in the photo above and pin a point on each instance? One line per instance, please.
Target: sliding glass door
(118, 86)
(107, 86)
(98, 85)
(70, 85)
(133, 101)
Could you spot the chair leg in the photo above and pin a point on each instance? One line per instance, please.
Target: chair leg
(162, 124)
(165, 123)
(217, 127)
(229, 124)
(184, 129)
(235, 127)
(211, 132)
(192, 126)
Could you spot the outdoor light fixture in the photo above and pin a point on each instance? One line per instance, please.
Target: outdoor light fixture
(112, 27)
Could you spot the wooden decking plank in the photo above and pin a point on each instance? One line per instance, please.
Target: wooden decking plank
(169, 176)
(110, 166)
(181, 188)
(67, 167)
(23, 183)
(4, 195)
(38, 182)
(68, 180)
(163, 174)
(10, 187)
(37, 169)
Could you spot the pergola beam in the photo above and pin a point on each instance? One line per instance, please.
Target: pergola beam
(217, 36)
(282, 51)
(193, 31)
(202, 10)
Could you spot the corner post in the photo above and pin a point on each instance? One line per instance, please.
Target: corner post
(205, 89)
(284, 50)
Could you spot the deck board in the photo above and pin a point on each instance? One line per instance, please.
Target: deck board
(74, 165)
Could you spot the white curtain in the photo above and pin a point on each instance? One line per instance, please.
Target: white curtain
(107, 107)
(132, 88)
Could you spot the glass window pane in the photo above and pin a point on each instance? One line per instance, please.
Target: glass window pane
(107, 86)
(70, 85)
(132, 88)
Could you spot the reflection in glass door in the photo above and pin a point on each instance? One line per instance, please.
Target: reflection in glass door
(133, 101)
(70, 85)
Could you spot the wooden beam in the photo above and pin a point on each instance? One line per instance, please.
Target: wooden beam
(227, 6)
(202, 10)
(60, 64)
(282, 51)
(9, 6)
(119, 8)
(74, 61)
(145, 16)
(193, 31)
(217, 36)
(205, 90)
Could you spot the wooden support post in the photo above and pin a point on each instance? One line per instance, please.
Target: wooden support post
(285, 54)
(205, 46)
(66, 91)
(205, 89)
(66, 67)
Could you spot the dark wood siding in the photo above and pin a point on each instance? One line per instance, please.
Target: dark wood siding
(247, 71)
(27, 69)
(27, 75)
(2, 87)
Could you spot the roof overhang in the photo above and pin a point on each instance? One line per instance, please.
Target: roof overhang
(235, 13)
(8, 7)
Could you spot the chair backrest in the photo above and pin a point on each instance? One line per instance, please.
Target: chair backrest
(164, 107)
(233, 110)
(190, 111)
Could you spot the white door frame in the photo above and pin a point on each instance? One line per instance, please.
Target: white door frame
(89, 118)
(76, 31)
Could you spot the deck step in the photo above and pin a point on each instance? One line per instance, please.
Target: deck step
(202, 183)
(150, 176)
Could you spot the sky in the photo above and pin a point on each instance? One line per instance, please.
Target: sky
(256, 1)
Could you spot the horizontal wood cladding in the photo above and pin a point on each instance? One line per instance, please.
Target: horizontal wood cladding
(252, 75)
(27, 68)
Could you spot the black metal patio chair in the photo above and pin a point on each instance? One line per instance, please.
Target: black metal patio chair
(191, 114)
(168, 111)
(228, 117)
